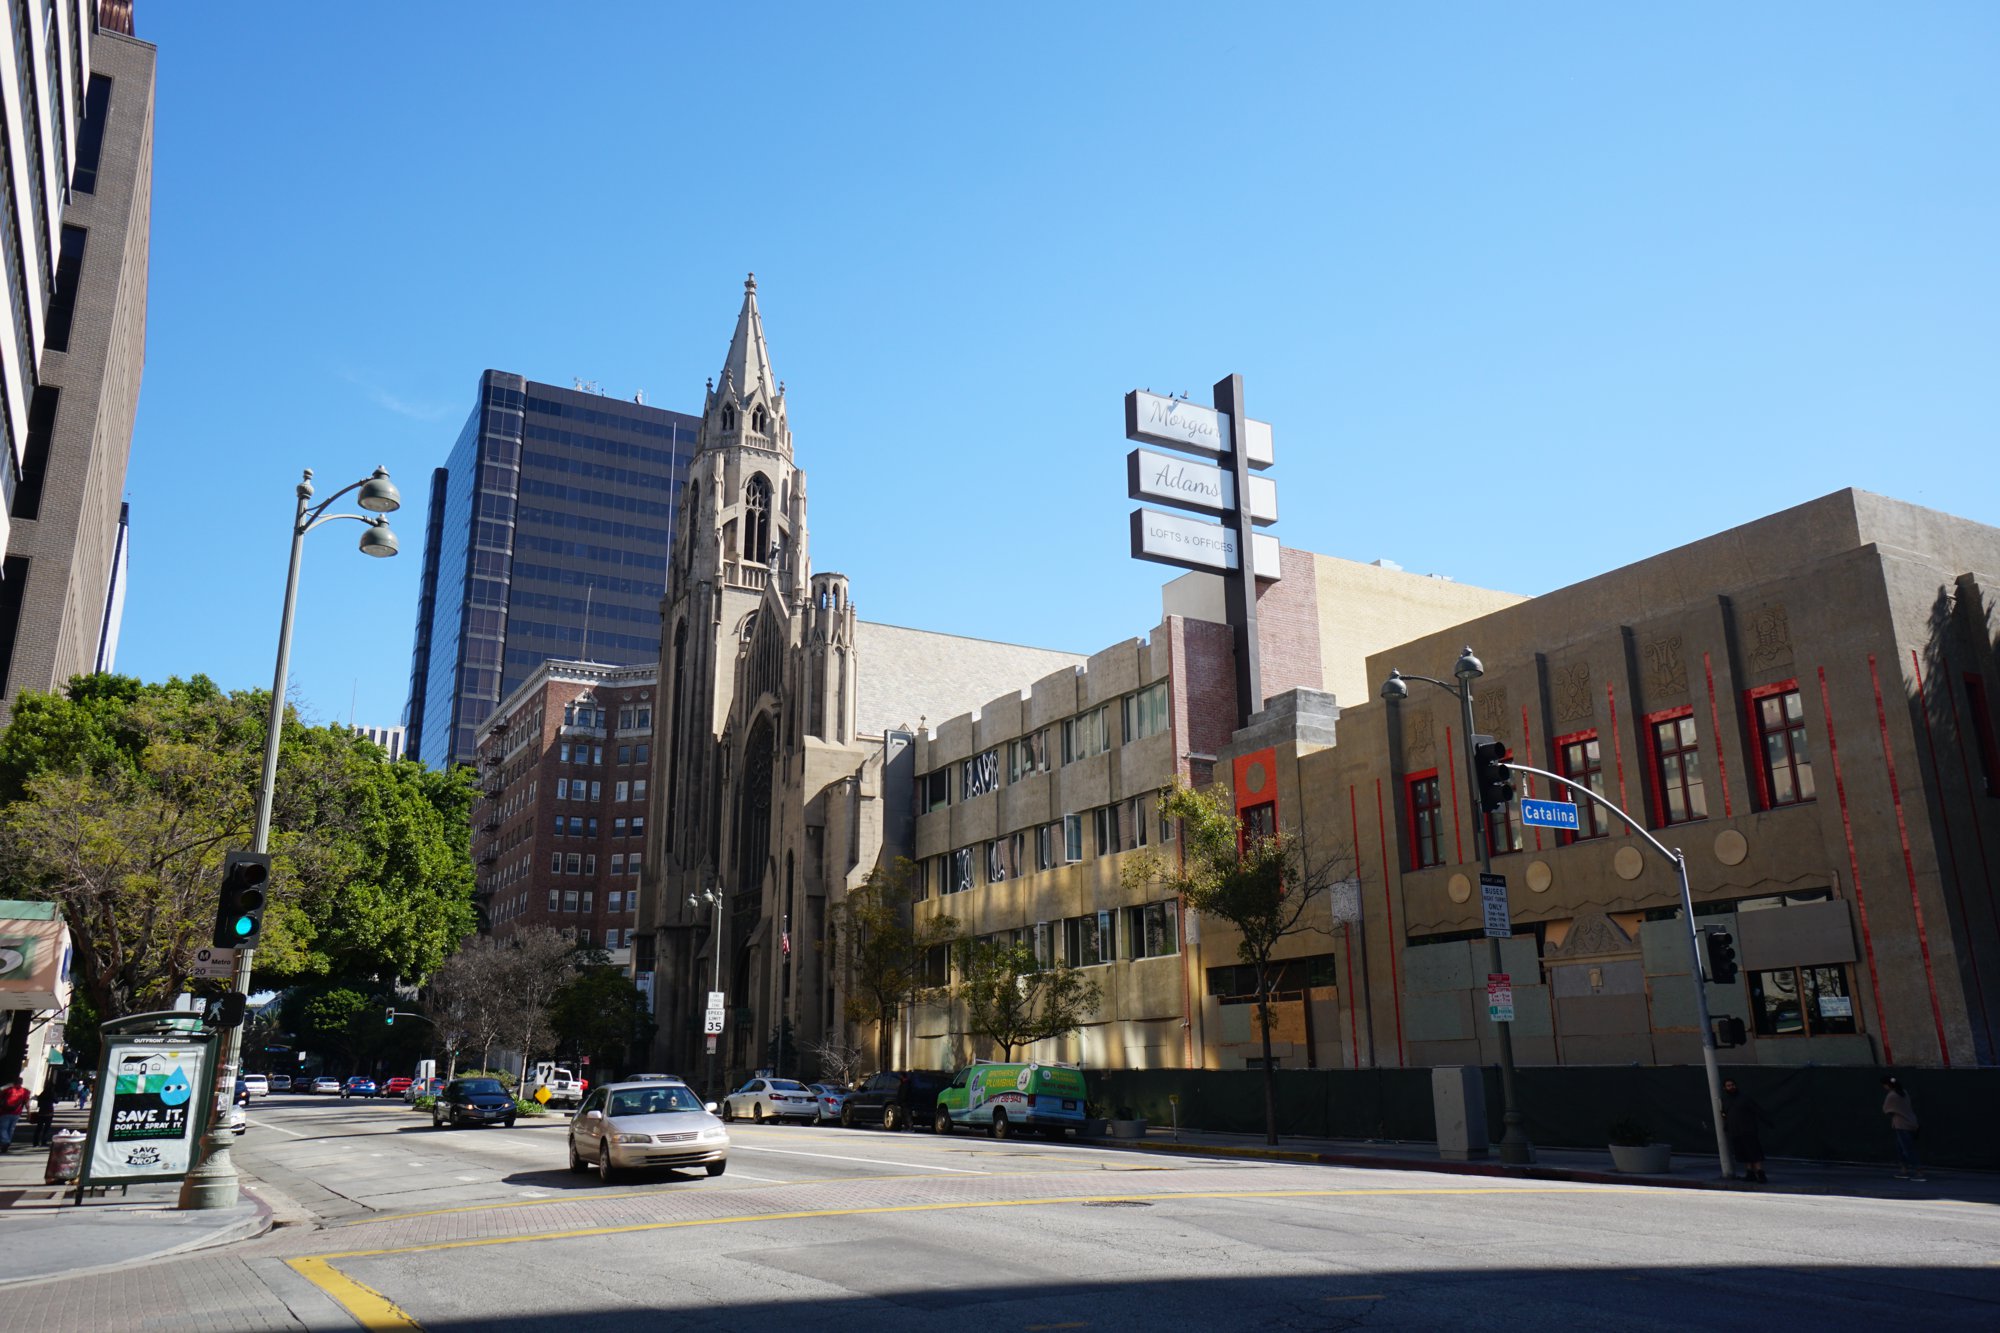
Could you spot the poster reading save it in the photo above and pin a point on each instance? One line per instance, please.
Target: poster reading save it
(145, 1127)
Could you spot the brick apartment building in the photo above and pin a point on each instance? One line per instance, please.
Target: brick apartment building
(559, 829)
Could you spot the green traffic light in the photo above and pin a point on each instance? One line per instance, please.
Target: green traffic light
(244, 925)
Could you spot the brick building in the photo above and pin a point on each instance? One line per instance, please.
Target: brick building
(559, 829)
(78, 100)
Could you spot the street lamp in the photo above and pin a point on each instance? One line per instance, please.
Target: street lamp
(1515, 1146)
(212, 1183)
(713, 896)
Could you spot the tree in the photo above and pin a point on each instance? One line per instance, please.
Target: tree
(1264, 884)
(119, 799)
(882, 949)
(601, 1014)
(1012, 1000)
(838, 1059)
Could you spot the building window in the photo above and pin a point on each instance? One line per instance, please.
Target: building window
(1677, 767)
(1150, 931)
(644, 753)
(573, 863)
(590, 863)
(933, 791)
(555, 863)
(624, 724)
(1072, 839)
(638, 829)
(615, 900)
(622, 791)
(1137, 821)
(1786, 771)
(1426, 821)
(589, 899)
(632, 863)
(1260, 822)
(624, 754)
(590, 827)
(961, 871)
(1086, 734)
(1146, 712)
(645, 719)
(618, 828)
(1088, 941)
(562, 789)
(1048, 837)
(1579, 759)
(62, 309)
(1105, 817)
(555, 900)
(979, 775)
(1166, 823)
(639, 789)
(563, 750)
(1802, 1002)
(1029, 754)
(1501, 835)
(757, 519)
(596, 791)
(570, 897)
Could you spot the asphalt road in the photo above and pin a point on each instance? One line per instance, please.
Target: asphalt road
(486, 1229)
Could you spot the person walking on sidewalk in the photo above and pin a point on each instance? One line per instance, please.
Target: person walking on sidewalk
(13, 1101)
(1903, 1122)
(45, 1115)
(1740, 1119)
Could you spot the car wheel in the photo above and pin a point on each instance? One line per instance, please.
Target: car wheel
(717, 1168)
(847, 1117)
(605, 1171)
(1001, 1129)
(892, 1117)
(941, 1122)
(437, 1121)
(508, 1122)
(576, 1163)
(757, 1113)
(729, 1111)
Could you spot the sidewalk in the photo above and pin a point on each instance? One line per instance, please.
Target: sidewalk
(44, 1233)
(1688, 1171)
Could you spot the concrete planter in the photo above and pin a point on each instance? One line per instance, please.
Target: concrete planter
(1649, 1159)
(1128, 1129)
(1096, 1129)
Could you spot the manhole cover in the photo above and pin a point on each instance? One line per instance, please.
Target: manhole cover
(1117, 1203)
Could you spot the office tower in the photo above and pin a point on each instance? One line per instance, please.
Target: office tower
(76, 166)
(547, 537)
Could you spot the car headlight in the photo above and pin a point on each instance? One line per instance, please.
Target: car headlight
(718, 1132)
(632, 1138)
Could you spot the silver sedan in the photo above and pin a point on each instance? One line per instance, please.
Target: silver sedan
(771, 1099)
(633, 1126)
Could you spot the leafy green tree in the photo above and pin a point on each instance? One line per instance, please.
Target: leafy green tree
(601, 1014)
(881, 949)
(1264, 885)
(119, 799)
(1012, 1000)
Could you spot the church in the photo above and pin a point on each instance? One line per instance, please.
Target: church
(783, 760)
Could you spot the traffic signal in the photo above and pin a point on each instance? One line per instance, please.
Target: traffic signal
(389, 1016)
(239, 916)
(1721, 947)
(1728, 1031)
(1490, 774)
(228, 1013)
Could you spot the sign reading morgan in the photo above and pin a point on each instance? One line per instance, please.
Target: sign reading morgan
(1157, 419)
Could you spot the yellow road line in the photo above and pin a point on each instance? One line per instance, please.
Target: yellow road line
(370, 1308)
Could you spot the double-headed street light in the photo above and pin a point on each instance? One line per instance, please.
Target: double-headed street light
(712, 895)
(212, 1184)
(1515, 1146)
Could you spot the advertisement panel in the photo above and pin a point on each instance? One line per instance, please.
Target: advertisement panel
(1188, 484)
(1176, 539)
(152, 1110)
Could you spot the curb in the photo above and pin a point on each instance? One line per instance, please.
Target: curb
(1441, 1166)
(248, 1228)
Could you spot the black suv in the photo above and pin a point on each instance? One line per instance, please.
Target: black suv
(895, 1099)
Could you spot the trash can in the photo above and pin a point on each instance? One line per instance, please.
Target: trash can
(65, 1158)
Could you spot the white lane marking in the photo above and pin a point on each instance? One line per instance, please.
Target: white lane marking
(761, 1180)
(873, 1161)
(469, 1180)
(533, 1194)
(265, 1124)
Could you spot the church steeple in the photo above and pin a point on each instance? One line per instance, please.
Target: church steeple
(748, 405)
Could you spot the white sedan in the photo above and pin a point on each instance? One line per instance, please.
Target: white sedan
(633, 1126)
(771, 1099)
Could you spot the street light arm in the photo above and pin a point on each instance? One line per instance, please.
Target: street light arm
(373, 521)
(1452, 690)
(310, 518)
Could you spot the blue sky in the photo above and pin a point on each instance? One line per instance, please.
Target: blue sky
(1527, 291)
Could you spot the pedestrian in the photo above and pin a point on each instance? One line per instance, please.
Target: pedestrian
(45, 1114)
(13, 1101)
(1740, 1119)
(1903, 1122)
(83, 1092)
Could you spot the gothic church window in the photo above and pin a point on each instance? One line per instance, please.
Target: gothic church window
(758, 421)
(757, 519)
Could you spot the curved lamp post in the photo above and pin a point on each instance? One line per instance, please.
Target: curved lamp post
(1515, 1146)
(212, 1183)
(712, 894)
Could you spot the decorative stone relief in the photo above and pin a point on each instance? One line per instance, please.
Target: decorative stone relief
(1666, 668)
(1731, 847)
(1628, 863)
(1594, 935)
(1571, 687)
(1419, 744)
(1540, 876)
(1768, 637)
(1489, 713)
(1459, 887)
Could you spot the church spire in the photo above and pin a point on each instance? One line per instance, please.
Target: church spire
(747, 368)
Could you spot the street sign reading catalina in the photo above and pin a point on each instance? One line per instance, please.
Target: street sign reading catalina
(1238, 445)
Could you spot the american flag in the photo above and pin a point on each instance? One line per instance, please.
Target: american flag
(785, 943)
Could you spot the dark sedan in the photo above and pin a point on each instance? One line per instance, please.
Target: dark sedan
(473, 1101)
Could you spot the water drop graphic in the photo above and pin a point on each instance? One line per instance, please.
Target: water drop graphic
(176, 1089)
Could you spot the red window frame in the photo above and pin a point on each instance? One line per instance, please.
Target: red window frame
(1657, 769)
(1982, 732)
(1793, 730)
(1413, 786)
(1591, 820)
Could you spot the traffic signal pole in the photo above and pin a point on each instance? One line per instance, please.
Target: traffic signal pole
(1698, 972)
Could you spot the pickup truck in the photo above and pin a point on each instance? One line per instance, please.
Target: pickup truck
(565, 1088)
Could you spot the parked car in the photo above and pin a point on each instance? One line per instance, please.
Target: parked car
(565, 1088)
(326, 1083)
(257, 1085)
(423, 1087)
(239, 1120)
(629, 1126)
(1005, 1099)
(281, 1083)
(771, 1099)
(828, 1097)
(895, 1099)
(396, 1086)
(358, 1086)
(473, 1101)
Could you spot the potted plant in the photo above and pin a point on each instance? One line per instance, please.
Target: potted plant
(1127, 1124)
(1633, 1150)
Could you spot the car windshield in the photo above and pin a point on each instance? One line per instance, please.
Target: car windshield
(787, 1085)
(489, 1086)
(652, 1101)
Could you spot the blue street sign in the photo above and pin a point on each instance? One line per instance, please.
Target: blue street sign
(1549, 814)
